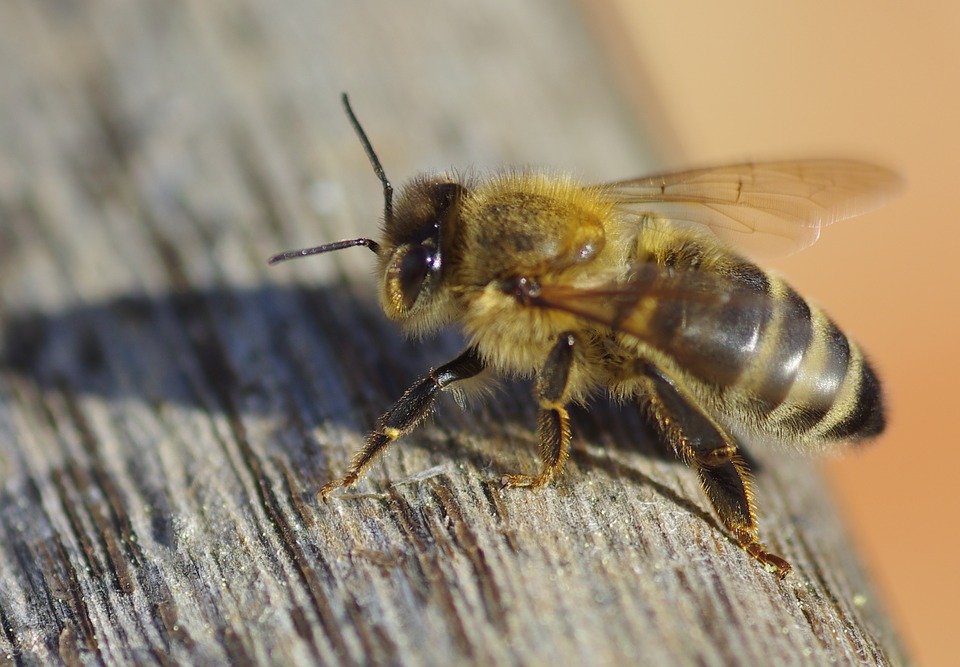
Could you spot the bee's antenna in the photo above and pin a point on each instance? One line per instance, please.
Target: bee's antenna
(387, 200)
(374, 161)
(329, 247)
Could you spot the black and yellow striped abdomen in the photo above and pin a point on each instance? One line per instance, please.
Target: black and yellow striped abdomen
(754, 352)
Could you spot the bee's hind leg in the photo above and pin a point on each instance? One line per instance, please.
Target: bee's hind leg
(712, 452)
(553, 421)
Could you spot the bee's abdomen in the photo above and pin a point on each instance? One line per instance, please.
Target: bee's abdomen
(770, 361)
(794, 374)
(809, 381)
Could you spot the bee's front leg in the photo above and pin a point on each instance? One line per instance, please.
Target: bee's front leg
(712, 452)
(553, 421)
(407, 413)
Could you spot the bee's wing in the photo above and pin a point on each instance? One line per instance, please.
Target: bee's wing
(764, 208)
(710, 324)
(650, 291)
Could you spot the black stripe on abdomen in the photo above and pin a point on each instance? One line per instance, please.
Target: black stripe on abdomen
(863, 415)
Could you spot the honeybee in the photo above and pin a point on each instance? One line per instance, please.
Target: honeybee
(634, 287)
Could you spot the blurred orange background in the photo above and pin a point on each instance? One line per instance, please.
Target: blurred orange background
(739, 80)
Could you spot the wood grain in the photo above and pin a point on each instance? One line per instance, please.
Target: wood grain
(169, 406)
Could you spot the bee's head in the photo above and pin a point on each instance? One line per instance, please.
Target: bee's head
(416, 235)
(417, 240)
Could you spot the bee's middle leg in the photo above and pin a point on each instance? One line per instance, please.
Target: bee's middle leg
(553, 421)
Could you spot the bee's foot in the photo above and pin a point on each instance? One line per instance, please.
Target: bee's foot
(324, 494)
(524, 481)
(772, 563)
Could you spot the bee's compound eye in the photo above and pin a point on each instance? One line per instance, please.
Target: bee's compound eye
(412, 271)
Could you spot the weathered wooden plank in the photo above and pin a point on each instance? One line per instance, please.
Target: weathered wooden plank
(169, 405)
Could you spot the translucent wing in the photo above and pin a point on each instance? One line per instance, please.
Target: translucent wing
(712, 325)
(766, 208)
(654, 291)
